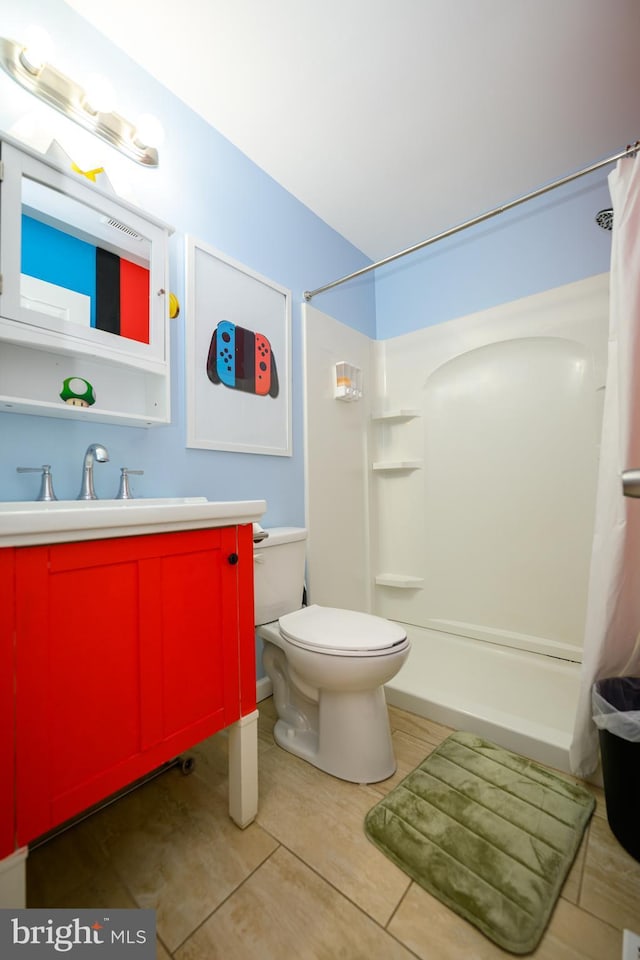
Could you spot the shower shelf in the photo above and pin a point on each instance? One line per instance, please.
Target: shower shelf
(402, 414)
(399, 581)
(388, 465)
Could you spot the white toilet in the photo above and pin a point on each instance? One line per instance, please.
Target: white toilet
(327, 667)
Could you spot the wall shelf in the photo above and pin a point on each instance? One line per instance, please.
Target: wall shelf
(401, 414)
(399, 581)
(10, 404)
(397, 465)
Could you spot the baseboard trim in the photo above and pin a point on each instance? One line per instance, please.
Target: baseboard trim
(264, 689)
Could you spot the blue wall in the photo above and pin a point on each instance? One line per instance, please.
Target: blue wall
(204, 187)
(542, 244)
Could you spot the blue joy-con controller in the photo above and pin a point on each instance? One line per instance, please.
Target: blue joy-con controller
(226, 352)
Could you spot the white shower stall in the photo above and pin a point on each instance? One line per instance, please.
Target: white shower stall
(457, 497)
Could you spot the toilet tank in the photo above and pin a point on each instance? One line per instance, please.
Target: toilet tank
(278, 573)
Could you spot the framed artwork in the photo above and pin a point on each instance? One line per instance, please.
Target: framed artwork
(238, 356)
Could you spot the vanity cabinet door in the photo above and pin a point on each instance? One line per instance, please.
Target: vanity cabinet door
(7, 628)
(127, 654)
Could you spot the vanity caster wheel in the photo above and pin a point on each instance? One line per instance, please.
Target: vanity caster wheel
(187, 765)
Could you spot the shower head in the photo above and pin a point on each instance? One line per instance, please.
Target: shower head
(604, 219)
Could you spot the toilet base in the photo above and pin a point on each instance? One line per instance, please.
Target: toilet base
(353, 739)
(332, 710)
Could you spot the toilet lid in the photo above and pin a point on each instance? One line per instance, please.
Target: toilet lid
(341, 631)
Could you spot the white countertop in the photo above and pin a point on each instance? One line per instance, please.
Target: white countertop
(24, 524)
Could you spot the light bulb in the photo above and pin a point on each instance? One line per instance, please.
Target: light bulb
(37, 49)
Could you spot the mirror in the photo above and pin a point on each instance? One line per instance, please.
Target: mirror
(82, 270)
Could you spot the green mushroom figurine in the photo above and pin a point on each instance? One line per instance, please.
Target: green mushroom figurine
(78, 392)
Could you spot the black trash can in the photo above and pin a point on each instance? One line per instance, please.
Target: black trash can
(616, 713)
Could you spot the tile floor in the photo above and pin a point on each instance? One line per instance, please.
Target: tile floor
(302, 882)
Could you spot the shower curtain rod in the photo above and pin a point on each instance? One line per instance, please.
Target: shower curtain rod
(630, 151)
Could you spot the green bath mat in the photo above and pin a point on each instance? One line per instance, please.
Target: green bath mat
(490, 834)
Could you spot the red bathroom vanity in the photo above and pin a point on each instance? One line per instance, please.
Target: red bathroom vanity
(116, 655)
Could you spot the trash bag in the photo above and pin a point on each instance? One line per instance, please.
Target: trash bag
(616, 706)
(616, 711)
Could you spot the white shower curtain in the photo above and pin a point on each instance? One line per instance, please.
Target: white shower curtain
(611, 647)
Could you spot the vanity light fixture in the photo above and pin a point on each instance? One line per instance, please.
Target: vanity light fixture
(58, 91)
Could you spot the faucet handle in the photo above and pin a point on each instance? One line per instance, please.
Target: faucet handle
(124, 493)
(46, 487)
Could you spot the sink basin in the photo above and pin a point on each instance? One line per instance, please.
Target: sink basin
(27, 523)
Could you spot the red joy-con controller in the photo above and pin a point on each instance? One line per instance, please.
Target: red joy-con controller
(263, 365)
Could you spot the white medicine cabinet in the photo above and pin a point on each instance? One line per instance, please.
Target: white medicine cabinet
(83, 298)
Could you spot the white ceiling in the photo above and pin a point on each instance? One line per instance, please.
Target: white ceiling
(396, 119)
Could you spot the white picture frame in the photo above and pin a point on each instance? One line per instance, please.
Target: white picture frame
(238, 356)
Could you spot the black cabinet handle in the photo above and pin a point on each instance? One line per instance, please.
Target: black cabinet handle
(232, 558)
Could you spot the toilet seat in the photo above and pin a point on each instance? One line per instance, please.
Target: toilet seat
(345, 633)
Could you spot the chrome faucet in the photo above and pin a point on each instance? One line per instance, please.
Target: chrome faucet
(95, 452)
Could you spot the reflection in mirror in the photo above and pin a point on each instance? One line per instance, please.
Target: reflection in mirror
(82, 267)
